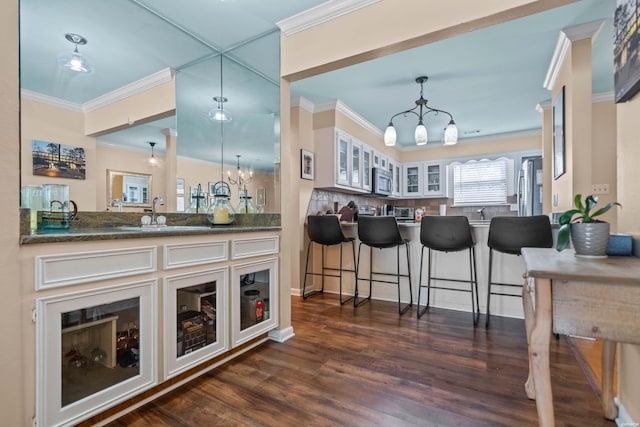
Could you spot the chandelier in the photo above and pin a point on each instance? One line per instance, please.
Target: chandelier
(243, 177)
(450, 133)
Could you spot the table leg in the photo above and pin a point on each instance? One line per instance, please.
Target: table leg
(608, 355)
(539, 352)
(527, 305)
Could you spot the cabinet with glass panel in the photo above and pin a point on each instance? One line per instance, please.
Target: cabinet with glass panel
(412, 179)
(433, 179)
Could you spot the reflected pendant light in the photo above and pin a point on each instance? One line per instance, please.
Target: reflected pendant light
(220, 114)
(421, 137)
(152, 160)
(74, 61)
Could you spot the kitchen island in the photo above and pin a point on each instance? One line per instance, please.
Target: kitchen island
(506, 269)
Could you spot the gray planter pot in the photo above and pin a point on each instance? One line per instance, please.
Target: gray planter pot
(590, 238)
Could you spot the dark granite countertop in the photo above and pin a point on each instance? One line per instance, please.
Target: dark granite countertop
(92, 226)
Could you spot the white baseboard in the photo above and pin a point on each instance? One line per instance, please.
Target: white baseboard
(281, 335)
(624, 419)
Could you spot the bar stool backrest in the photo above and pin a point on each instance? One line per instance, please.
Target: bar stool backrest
(446, 233)
(509, 234)
(325, 229)
(379, 231)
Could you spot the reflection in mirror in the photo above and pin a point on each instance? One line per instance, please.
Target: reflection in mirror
(176, 74)
(128, 189)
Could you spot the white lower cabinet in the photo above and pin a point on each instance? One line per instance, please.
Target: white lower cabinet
(99, 346)
(195, 307)
(254, 299)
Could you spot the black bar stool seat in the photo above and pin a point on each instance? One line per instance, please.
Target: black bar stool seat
(448, 234)
(325, 230)
(382, 233)
(508, 235)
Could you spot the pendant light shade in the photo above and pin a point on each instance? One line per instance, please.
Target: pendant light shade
(219, 114)
(390, 136)
(420, 135)
(152, 160)
(74, 61)
(451, 134)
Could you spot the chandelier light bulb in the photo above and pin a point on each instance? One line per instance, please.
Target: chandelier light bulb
(421, 134)
(390, 136)
(451, 134)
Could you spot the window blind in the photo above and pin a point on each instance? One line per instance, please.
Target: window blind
(481, 182)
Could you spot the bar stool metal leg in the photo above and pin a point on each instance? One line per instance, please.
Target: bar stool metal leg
(356, 302)
(306, 273)
(355, 270)
(475, 303)
(489, 290)
(404, 309)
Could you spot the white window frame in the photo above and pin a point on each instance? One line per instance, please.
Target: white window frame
(499, 199)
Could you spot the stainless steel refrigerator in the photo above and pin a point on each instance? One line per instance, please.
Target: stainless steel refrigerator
(530, 186)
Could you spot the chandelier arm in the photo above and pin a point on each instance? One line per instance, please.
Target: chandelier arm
(437, 111)
(405, 113)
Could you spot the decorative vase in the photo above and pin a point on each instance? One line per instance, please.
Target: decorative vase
(590, 239)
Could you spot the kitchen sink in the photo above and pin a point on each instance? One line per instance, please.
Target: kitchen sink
(165, 228)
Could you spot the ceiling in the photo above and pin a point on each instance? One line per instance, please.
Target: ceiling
(490, 80)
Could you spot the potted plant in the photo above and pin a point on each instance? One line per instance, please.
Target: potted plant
(588, 234)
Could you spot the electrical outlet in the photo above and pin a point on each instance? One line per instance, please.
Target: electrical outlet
(600, 188)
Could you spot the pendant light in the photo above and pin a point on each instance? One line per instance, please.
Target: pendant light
(152, 160)
(220, 114)
(420, 135)
(74, 61)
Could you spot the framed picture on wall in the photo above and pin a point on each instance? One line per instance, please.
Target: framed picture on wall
(626, 47)
(307, 164)
(558, 136)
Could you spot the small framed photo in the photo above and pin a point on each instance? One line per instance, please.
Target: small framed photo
(307, 164)
(180, 186)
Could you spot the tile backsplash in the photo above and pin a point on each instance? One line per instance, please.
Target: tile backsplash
(324, 201)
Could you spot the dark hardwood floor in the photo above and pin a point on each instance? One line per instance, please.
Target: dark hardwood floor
(370, 367)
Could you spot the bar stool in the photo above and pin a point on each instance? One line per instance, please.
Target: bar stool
(382, 233)
(509, 234)
(325, 230)
(449, 234)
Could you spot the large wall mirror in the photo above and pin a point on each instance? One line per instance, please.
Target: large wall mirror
(204, 63)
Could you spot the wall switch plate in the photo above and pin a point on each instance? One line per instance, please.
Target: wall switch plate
(600, 188)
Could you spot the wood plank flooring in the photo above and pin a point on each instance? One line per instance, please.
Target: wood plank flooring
(371, 367)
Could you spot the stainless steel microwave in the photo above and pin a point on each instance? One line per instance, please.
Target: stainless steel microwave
(382, 182)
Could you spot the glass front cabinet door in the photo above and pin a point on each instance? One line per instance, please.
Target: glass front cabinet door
(342, 160)
(433, 179)
(254, 299)
(366, 168)
(412, 178)
(194, 319)
(356, 164)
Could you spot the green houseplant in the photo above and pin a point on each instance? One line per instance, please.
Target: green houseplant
(589, 234)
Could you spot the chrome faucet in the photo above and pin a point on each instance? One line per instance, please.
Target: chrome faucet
(158, 199)
(118, 203)
(481, 212)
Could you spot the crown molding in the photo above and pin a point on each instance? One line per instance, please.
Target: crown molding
(543, 105)
(302, 102)
(146, 83)
(169, 132)
(603, 96)
(321, 13)
(565, 38)
(345, 110)
(50, 100)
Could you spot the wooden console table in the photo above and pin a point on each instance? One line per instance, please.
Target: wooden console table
(597, 298)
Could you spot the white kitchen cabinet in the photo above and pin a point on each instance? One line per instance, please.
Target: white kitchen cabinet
(343, 157)
(254, 299)
(366, 167)
(356, 163)
(412, 180)
(394, 169)
(376, 159)
(434, 179)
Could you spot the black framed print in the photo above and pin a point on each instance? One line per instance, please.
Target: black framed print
(307, 164)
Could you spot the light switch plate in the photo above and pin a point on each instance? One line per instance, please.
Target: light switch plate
(599, 188)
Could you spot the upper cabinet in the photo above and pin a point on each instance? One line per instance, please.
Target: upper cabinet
(342, 161)
(412, 179)
(434, 179)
